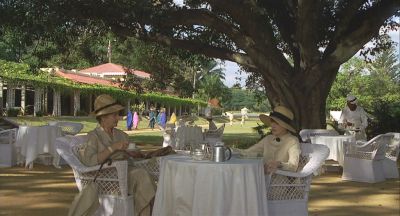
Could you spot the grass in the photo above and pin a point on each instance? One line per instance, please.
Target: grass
(236, 135)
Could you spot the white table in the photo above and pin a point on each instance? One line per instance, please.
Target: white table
(335, 145)
(187, 187)
(32, 141)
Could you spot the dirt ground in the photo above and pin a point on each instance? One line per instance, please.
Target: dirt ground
(47, 191)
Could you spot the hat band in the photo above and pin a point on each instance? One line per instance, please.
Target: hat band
(352, 100)
(104, 107)
(281, 117)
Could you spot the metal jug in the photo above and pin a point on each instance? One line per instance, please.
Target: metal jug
(219, 153)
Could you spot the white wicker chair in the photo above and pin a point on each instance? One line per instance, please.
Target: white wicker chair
(305, 134)
(287, 192)
(8, 152)
(214, 136)
(363, 161)
(392, 153)
(68, 128)
(186, 135)
(112, 180)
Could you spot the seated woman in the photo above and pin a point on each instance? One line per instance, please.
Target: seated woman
(281, 149)
(107, 141)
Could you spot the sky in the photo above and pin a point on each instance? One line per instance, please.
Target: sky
(231, 68)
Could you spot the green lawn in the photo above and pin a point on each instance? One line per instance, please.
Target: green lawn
(233, 135)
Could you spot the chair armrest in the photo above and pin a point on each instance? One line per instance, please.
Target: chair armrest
(292, 174)
(117, 164)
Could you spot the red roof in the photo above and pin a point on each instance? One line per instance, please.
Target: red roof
(83, 78)
(113, 68)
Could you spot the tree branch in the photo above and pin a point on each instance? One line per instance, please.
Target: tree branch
(200, 48)
(359, 31)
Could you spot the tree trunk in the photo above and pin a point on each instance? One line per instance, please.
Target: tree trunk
(56, 103)
(1, 97)
(23, 93)
(10, 96)
(37, 103)
(77, 102)
(306, 100)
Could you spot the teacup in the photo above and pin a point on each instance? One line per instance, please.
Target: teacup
(132, 146)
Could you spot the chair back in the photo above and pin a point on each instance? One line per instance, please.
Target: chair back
(188, 134)
(112, 180)
(393, 149)
(8, 136)
(306, 134)
(68, 128)
(374, 149)
(286, 185)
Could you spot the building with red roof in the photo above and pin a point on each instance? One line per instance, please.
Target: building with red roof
(111, 70)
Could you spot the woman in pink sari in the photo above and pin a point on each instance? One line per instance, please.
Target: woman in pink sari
(135, 120)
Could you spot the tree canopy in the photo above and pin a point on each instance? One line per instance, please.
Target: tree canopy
(318, 36)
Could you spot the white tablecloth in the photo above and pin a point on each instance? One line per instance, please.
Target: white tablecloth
(335, 145)
(34, 140)
(187, 187)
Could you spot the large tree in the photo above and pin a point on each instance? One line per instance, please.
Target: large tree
(317, 36)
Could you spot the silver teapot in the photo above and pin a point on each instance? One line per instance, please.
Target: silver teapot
(219, 153)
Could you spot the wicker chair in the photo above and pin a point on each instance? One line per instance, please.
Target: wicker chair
(363, 161)
(8, 152)
(112, 180)
(213, 136)
(287, 192)
(68, 128)
(186, 135)
(305, 134)
(392, 153)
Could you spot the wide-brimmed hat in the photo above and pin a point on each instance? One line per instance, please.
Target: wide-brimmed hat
(105, 104)
(281, 115)
(351, 99)
(214, 102)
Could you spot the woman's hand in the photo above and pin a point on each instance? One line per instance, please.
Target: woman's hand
(136, 154)
(120, 145)
(271, 166)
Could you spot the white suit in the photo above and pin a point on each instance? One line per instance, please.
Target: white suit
(358, 118)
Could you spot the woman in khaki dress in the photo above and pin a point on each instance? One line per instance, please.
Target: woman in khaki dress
(106, 140)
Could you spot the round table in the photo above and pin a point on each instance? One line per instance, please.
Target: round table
(188, 187)
(34, 140)
(335, 145)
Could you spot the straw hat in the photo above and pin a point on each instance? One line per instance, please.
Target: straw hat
(105, 104)
(281, 115)
(351, 99)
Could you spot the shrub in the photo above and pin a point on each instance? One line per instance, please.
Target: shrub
(81, 113)
(13, 112)
(39, 113)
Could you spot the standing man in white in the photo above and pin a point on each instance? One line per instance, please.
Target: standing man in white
(354, 119)
(244, 115)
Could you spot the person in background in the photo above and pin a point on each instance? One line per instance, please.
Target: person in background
(172, 120)
(354, 119)
(163, 118)
(244, 115)
(230, 116)
(281, 149)
(152, 118)
(129, 120)
(135, 120)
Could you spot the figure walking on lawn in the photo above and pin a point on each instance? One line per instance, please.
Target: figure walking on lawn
(244, 115)
(135, 120)
(152, 118)
(129, 120)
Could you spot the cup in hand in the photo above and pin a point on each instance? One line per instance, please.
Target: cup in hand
(132, 146)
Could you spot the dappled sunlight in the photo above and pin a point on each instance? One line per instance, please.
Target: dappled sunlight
(330, 195)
